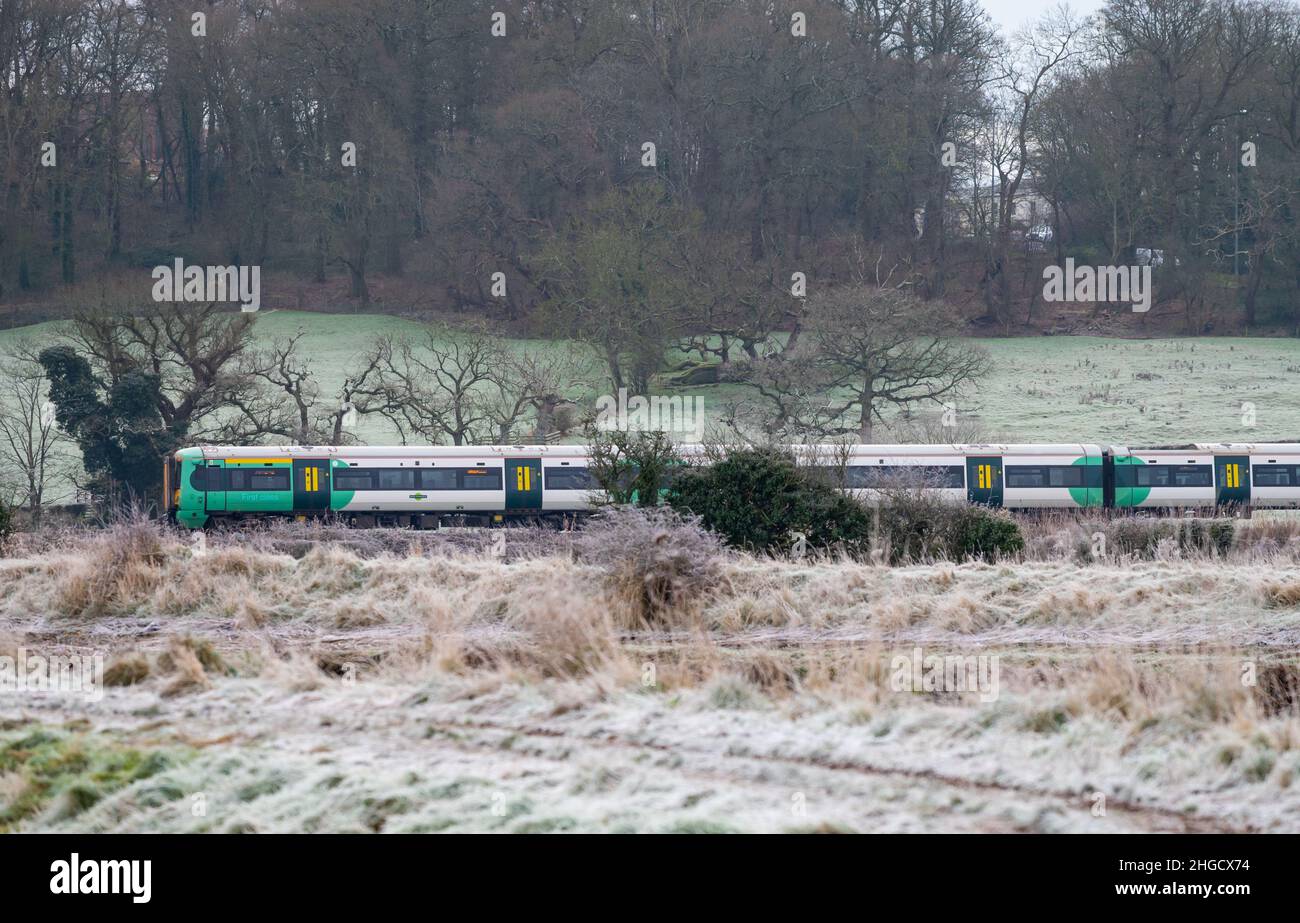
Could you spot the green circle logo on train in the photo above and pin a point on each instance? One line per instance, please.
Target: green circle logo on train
(1124, 496)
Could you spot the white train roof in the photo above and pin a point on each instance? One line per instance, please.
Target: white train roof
(1216, 448)
(392, 451)
(1257, 448)
(568, 451)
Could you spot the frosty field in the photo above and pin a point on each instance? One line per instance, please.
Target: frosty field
(1041, 389)
(391, 683)
(304, 678)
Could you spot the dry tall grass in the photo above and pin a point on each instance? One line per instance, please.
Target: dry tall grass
(1158, 653)
(649, 588)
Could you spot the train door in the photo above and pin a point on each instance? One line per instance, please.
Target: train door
(214, 486)
(523, 484)
(311, 484)
(1232, 480)
(1107, 479)
(984, 479)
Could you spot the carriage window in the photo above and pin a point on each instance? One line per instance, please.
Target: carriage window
(1276, 475)
(1163, 476)
(1142, 476)
(354, 479)
(1153, 476)
(438, 479)
(481, 479)
(1025, 476)
(871, 476)
(1053, 475)
(950, 475)
(1066, 475)
(860, 476)
(1191, 476)
(396, 479)
(256, 478)
(568, 479)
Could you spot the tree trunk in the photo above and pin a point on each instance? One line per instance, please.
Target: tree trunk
(1252, 293)
(864, 416)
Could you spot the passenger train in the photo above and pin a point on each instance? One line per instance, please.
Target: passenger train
(420, 487)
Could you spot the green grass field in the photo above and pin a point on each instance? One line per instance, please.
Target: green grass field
(1041, 389)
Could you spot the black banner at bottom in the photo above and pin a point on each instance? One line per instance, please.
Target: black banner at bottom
(335, 874)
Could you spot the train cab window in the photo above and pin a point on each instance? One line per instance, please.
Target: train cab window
(199, 477)
(396, 479)
(438, 479)
(256, 478)
(568, 479)
(481, 479)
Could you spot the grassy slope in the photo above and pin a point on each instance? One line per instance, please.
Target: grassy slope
(1042, 389)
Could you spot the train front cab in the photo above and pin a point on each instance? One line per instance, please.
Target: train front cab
(200, 488)
(183, 484)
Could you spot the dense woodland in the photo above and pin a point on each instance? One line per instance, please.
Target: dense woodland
(815, 198)
(804, 136)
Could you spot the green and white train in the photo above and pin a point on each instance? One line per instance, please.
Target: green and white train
(425, 487)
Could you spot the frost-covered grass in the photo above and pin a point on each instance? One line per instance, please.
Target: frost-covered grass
(441, 751)
(418, 687)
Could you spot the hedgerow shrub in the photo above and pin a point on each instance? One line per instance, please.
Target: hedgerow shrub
(630, 467)
(981, 533)
(758, 499)
(919, 524)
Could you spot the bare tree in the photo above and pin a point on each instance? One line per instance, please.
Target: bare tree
(533, 385)
(866, 349)
(1038, 53)
(289, 402)
(470, 387)
(438, 386)
(193, 349)
(29, 433)
(614, 280)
